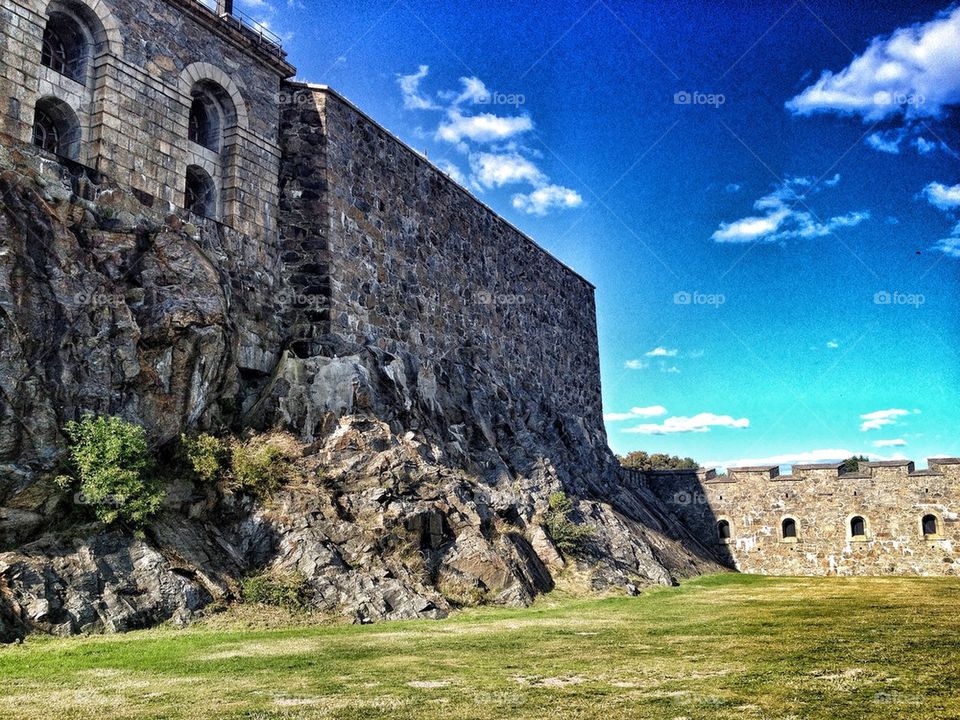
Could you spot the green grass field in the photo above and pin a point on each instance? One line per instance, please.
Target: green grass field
(728, 646)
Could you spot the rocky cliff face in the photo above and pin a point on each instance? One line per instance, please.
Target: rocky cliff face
(421, 481)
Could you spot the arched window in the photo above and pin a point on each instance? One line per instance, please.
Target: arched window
(723, 530)
(201, 193)
(931, 526)
(66, 46)
(56, 128)
(858, 527)
(789, 528)
(212, 112)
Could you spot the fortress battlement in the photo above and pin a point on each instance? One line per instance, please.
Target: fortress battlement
(887, 517)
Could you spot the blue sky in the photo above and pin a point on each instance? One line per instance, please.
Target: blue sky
(766, 197)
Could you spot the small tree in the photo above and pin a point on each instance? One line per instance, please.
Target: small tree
(852, 464)
(113, 469)
(569, 537)
(260, 465)
(207, 455)
(639, 460)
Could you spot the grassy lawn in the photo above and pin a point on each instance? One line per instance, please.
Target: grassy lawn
(719, 647)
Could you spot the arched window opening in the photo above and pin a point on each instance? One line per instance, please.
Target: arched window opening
(56, 128)
(66, 46)
(201, 193)
(723, 530)
(930, 525)
(212, 113)
(789, 527)
(858, 527)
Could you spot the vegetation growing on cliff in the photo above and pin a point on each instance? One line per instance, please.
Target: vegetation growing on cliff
(639, 460)
(567, 535)
(261, 464)
(112, 470)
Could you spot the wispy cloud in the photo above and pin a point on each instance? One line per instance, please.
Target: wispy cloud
(636, 364)
(833, 344)
(947, 199)
(699, 423)
(782, 217)
(544, 199)
(637, 412)
(662, 352)
(914, 72)
(410, 87)
(881, 418)
(824, 455)
(942, 196)
(898, 442)
(489, 141)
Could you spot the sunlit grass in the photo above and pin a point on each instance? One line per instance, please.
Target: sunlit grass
(727, 646)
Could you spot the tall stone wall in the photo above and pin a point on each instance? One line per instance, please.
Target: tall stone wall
(891, 497)
(133, 98)
(409, 262)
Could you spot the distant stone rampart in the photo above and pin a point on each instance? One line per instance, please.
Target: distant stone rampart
(885, 519)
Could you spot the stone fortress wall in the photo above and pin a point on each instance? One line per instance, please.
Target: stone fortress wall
(412, 264)
(885, 519)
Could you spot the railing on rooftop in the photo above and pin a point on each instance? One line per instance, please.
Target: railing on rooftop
(248, 25)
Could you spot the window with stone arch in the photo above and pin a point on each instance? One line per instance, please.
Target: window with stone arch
(56, 128)
(200, 194)
(931, 525)
(788, 529)
(724, 532)
(858, 527)
(212, 113)
(71, 37)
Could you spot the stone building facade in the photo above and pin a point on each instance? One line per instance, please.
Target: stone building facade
(885, 519)
(167, 97)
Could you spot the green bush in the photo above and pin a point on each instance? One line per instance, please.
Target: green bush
(567, 535)
(284, 590)
(207, 456)
(639, 460)
(260, 465)
(113, 469)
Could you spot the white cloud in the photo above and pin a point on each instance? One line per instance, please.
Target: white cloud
(503, 161)
(783, 218)
(797, 458)
(661, 352)
(672, 370)
(410, 87)
(924, 146)
(881, 418)
(702, 422)
(734, 187)
(485, 127)
(636, 364)
(474, 91)
(949, 246)
(899, 442)
(943, 196)
(495, 170)
(914, 72)
(637, 412)
(833, 344)
(545, 198)
(887, 142)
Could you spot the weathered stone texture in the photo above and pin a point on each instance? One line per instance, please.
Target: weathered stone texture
(891, 497)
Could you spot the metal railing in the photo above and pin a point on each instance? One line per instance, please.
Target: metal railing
(267, 37)
(248, 25)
